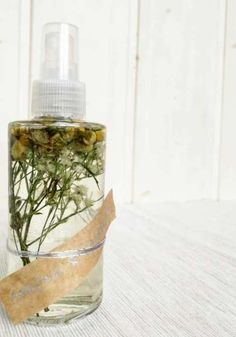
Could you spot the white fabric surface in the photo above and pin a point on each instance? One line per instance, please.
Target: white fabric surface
(170, 270)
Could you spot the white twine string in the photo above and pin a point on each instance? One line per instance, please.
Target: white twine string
(64, 254)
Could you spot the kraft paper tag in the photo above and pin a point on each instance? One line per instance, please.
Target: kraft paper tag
(44, 281)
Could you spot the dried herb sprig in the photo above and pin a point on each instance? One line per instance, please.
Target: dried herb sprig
(48, 164)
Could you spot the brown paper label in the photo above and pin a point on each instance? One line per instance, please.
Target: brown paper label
(44, 281)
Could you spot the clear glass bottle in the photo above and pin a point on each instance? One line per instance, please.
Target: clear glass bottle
(56, 171)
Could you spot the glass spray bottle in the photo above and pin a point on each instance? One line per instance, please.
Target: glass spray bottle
(56, 171)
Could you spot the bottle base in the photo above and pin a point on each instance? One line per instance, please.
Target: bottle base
(64, 313)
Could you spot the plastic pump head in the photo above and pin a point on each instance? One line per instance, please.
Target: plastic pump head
(59, 52)
(58, 91)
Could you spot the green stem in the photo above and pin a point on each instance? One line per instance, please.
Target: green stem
(43, 236)
(21, 178)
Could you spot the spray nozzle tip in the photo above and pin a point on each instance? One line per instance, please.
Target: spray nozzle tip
(59, 52)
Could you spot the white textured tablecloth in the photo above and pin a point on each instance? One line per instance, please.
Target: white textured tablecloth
(170, 270)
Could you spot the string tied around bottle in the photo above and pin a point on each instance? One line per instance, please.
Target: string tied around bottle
(56, 254)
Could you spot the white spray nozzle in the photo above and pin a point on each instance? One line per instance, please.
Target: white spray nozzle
(59, 52)
(58, 90)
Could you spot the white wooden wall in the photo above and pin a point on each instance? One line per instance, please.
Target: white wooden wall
(161, 74)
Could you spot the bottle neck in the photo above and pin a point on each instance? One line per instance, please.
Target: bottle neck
(58, 99)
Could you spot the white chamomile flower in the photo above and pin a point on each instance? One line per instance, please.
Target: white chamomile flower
(66, 158)
(78, 169)
(88, 202)
(83, 189)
